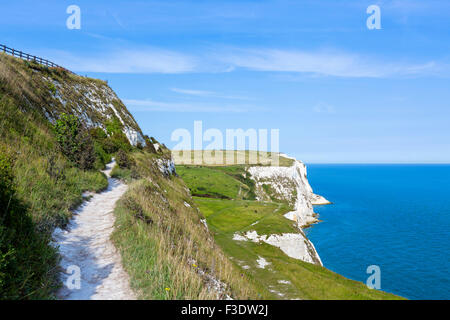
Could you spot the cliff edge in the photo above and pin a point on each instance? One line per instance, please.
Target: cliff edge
(290, 184)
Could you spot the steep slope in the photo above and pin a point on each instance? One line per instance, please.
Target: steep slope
(44, 186)
(57, 131)
(51, 92)
(166, 247)
(288, 184)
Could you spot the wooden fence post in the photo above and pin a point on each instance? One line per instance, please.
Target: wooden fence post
(29, 57)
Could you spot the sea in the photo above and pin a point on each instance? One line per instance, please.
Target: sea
(395, 217)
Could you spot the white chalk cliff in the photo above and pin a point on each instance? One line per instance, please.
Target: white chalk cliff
(94, 102)
(288, 184)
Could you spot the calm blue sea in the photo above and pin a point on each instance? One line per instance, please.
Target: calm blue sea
(393, 216)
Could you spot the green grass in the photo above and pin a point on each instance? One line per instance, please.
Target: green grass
(306, 281)
(215, 182)
(238, 216)
(46, 185)
(227, 213)
(163, 243)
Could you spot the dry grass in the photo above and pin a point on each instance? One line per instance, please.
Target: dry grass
(165, 245)
(229, 157)
(46, 185)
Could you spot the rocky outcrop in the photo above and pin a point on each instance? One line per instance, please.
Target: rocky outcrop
(288, 184)
(94, 102)
(166, 166)
(294, 245)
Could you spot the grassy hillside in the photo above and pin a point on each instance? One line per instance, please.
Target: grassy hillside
(57, 130)
(166, 249)
(49, 156)
(283, 277)
(218, 182)
(44, 187)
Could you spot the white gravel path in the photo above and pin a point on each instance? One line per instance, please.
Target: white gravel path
(86, 245)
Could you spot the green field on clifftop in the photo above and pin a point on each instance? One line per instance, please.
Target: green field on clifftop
(283, 277)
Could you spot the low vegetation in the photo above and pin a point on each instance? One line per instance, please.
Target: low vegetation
(167, 251)
(283, 277)
(26, 260)
(218, 182)
(45, 167)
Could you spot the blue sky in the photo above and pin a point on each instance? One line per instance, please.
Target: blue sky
(337, 91)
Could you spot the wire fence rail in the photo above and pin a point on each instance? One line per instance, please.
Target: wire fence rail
(29, 57)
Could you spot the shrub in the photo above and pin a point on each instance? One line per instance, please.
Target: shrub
(98, 134)
(67, 129)
(123, 160)
(75, 142)
(102, 156)
(114, 126)
(116, 138)
(120, 142)
(87, 155)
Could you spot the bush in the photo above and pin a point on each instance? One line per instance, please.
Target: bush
(120, 142)
(115, 139)
(75, 142)
(98, 134)
(102, 156)
(114, 126)
(123, 160)
(87, 155)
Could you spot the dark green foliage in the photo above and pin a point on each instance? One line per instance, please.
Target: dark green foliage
(98, 134)
(6, 181)
(102, 156)
(25, 258)
(75, 142)
(67, 129)
(120, 142)
(103, 147)
(124, 161)
(87, 154)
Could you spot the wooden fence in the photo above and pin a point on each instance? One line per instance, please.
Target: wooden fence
(29, 57)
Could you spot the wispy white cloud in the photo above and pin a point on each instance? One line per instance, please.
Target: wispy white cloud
(326, 63)
(212, 94)
(151, 105)
(147, 60)
(193, 92)
(229, 59)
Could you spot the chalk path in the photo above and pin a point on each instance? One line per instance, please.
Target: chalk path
(86, 245)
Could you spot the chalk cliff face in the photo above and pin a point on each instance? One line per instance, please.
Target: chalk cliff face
(290, 184)
(51, 92)
(93, 101)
